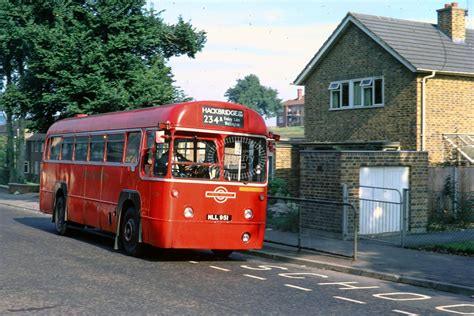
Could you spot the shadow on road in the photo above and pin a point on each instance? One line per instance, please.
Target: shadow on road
(105, 241)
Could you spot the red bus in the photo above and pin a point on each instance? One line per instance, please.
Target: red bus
(190, 175)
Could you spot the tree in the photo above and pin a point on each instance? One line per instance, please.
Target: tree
(88, 56)
(101, 56)
(15, 19)
(61, 58)
(250, 92)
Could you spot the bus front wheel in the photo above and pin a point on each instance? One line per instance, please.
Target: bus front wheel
(129, 232)
(60, 216)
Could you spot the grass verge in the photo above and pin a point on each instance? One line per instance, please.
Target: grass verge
(289, 132)
(464, 248)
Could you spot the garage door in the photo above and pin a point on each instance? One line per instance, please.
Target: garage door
(380, 198)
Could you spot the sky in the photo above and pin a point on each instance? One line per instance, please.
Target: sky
(271, 39)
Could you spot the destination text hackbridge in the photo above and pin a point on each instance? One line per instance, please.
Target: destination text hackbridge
(220, 111)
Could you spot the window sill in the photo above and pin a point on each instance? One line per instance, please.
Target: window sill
(358, 107)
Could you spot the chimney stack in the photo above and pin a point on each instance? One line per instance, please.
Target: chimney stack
(300, 94)
(451, 21)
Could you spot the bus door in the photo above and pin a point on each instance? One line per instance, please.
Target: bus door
(93, 180)
(154, 165)
(146, 172)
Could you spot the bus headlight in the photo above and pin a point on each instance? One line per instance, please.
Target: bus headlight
(248, 214)
(188, 212)
(246, 237)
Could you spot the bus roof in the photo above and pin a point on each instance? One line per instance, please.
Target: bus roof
(181, 115)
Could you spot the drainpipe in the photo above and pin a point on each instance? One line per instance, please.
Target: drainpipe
(423, 109)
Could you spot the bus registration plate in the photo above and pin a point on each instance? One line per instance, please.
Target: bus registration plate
(219, 217)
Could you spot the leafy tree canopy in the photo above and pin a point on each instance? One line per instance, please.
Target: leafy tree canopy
(250, 92)
(88, 56)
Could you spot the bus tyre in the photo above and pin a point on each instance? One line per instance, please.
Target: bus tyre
(60, 216)
(222, 253)
(129, 231)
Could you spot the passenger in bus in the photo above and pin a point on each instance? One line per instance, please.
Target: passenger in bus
(160, 167)
(161, 164)
(147, 162)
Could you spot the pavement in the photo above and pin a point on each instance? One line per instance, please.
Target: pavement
(444, 272)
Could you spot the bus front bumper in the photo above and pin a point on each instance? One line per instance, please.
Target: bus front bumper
(204, 235)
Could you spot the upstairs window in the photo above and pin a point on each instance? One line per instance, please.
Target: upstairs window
(335, 90)
(356, 93)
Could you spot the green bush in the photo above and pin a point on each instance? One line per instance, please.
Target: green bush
(287, 222)
(278, 187)
(465, 248)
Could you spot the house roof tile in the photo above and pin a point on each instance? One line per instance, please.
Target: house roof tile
(294, 102)
(419, 46)
(422, 44)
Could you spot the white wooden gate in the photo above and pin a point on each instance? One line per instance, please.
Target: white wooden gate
(380, 197)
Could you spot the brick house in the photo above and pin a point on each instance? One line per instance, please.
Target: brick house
(292, 113)
(385, 79)
(33, 156)
(385, 98)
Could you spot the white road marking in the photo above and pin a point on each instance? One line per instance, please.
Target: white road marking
(193, 262)
(298, 288)
(448, 309)
(219, 268)
(254, 277)
(348, 286)
(348, 299)
(405, 313)
(405, 296)
(263, 267)
(299, 275)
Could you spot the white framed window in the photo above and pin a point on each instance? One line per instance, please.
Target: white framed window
(356, 93)
(26, 167)
(36, 167)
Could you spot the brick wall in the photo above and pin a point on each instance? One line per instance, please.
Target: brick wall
(355, 55)
(320, 177)
(287, 165)
(449, 110)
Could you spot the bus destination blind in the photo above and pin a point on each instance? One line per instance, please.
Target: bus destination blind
(222, 117)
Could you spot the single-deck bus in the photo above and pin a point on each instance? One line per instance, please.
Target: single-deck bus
(190, 175)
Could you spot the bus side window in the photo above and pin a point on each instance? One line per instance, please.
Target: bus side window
(67, 148)
(150, 139)
(80, 149)
(148, 156)
(133, 146)
(115, 144)
(96, 144)
(54, 148)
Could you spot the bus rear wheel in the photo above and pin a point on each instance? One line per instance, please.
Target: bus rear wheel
(60, 216)
(129, 232)
(221, 253)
